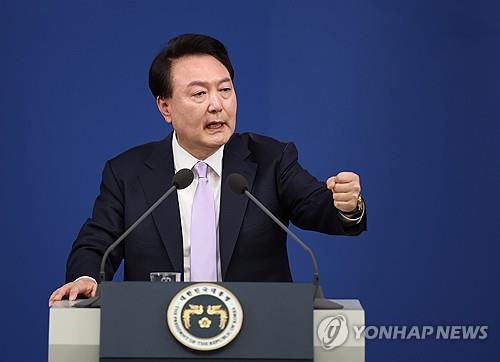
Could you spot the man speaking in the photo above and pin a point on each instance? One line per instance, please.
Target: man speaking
(205, 231)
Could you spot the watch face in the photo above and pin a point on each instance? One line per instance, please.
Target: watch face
(360, 204)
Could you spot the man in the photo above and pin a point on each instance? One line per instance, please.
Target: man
(205, 231)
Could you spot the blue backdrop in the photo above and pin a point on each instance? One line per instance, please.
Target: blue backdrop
(406, 93)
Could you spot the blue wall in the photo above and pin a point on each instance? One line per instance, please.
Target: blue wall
(405, 93)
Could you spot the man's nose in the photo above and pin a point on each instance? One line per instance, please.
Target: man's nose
(215, 104)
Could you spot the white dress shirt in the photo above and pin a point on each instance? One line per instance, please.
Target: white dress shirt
(183, 159)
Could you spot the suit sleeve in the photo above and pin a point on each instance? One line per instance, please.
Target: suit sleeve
(309, 200)
(98, 232)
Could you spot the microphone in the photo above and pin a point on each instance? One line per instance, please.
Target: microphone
(181, 180)
(238, 184)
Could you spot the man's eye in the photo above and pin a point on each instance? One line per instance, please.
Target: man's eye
(199, 94)
(225, 92)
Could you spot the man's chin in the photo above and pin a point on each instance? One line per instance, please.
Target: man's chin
(218, 139)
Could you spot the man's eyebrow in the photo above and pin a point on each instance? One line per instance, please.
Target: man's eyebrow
(202, 83)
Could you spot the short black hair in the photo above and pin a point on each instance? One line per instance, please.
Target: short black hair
(183, 45)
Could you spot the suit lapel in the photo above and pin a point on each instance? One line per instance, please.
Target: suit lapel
(233, 206)
(156, 180)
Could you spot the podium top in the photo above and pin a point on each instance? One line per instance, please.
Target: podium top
(349, 304)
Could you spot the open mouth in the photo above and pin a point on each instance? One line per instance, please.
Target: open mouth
(215, 125)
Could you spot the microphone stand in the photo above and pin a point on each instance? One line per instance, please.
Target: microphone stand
(182, 179)
(319, 300)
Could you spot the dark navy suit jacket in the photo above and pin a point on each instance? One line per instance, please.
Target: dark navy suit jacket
(252, 247)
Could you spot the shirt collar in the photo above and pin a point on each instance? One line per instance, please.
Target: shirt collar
(183, 159)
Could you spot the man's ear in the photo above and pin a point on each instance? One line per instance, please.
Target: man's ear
(163, 105)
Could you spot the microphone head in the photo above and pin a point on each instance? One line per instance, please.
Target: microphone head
(183, 178)
(237, 183)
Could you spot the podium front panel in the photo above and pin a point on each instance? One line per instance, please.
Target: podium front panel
(277, 323)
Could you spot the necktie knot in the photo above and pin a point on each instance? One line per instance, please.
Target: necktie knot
(201, 169)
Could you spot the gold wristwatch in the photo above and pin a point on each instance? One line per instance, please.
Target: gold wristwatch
(359, 205)
(358, 209)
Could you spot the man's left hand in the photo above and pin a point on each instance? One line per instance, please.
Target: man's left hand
(346, 189)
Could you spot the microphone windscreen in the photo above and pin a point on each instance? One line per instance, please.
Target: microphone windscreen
(183, 178)
(237, 183)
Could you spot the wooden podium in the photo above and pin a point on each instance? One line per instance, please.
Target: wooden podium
(131, 326)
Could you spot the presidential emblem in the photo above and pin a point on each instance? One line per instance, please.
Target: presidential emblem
(204, 316)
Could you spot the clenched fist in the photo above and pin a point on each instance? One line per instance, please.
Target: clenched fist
(346, 190)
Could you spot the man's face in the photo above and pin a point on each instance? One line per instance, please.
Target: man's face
(202, 108)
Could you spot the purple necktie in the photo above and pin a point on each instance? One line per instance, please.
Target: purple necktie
(203, 238)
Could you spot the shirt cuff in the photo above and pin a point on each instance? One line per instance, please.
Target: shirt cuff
(85, 277)
(349, 220)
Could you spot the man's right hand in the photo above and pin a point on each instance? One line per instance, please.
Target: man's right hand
(84, 287)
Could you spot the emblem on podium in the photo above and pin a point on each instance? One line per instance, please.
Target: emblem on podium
(204, 316)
